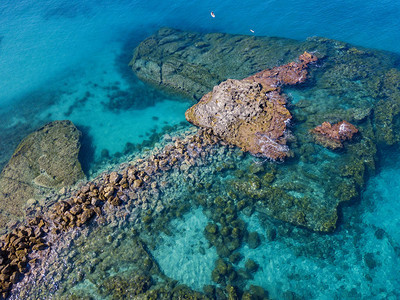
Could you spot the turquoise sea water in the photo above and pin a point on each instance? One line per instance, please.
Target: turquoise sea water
(55, 53)
(67, 60)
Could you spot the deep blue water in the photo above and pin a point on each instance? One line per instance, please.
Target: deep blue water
(55, 52)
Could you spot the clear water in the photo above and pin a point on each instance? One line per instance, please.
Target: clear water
(66, 60)
(180, 256)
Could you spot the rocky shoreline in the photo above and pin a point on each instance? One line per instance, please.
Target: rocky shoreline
(129, 195)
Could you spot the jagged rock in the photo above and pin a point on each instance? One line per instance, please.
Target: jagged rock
(47, 158)
(251, 113)
(332, 136)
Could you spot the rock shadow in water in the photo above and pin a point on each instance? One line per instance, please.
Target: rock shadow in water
(138, 95)
(86, 154)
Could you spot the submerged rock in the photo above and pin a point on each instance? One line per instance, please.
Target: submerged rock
(191, 63)
(332, 136)
(251, 113)
(45, 159)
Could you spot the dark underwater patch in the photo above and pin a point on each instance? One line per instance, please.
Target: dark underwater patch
(65, 9)
(86, 154)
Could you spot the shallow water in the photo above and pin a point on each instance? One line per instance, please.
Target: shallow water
(70, 61)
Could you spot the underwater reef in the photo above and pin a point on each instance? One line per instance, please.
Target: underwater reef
(100, 238)
(351, 83)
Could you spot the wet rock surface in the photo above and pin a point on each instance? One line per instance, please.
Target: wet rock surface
(46, 159)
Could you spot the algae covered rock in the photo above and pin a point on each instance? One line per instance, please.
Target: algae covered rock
(45, 159)
(191, 63)
(128, 288)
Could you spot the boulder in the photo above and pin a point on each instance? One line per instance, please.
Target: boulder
(45, 159)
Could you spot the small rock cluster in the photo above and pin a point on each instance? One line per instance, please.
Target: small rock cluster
(118, 188)
(333, 136)
(90, 199)
(15, 247)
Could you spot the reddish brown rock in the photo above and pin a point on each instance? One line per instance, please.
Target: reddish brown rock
(251, 113)
(332, 136)
(289, 74)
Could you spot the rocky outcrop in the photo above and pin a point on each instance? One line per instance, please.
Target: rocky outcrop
(289, 74)
(196, 170)
(251, 113)
(46, 159)
(191, 64)
(333, 136)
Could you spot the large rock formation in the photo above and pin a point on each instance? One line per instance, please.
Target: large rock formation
(47, 158)
(251, 113)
